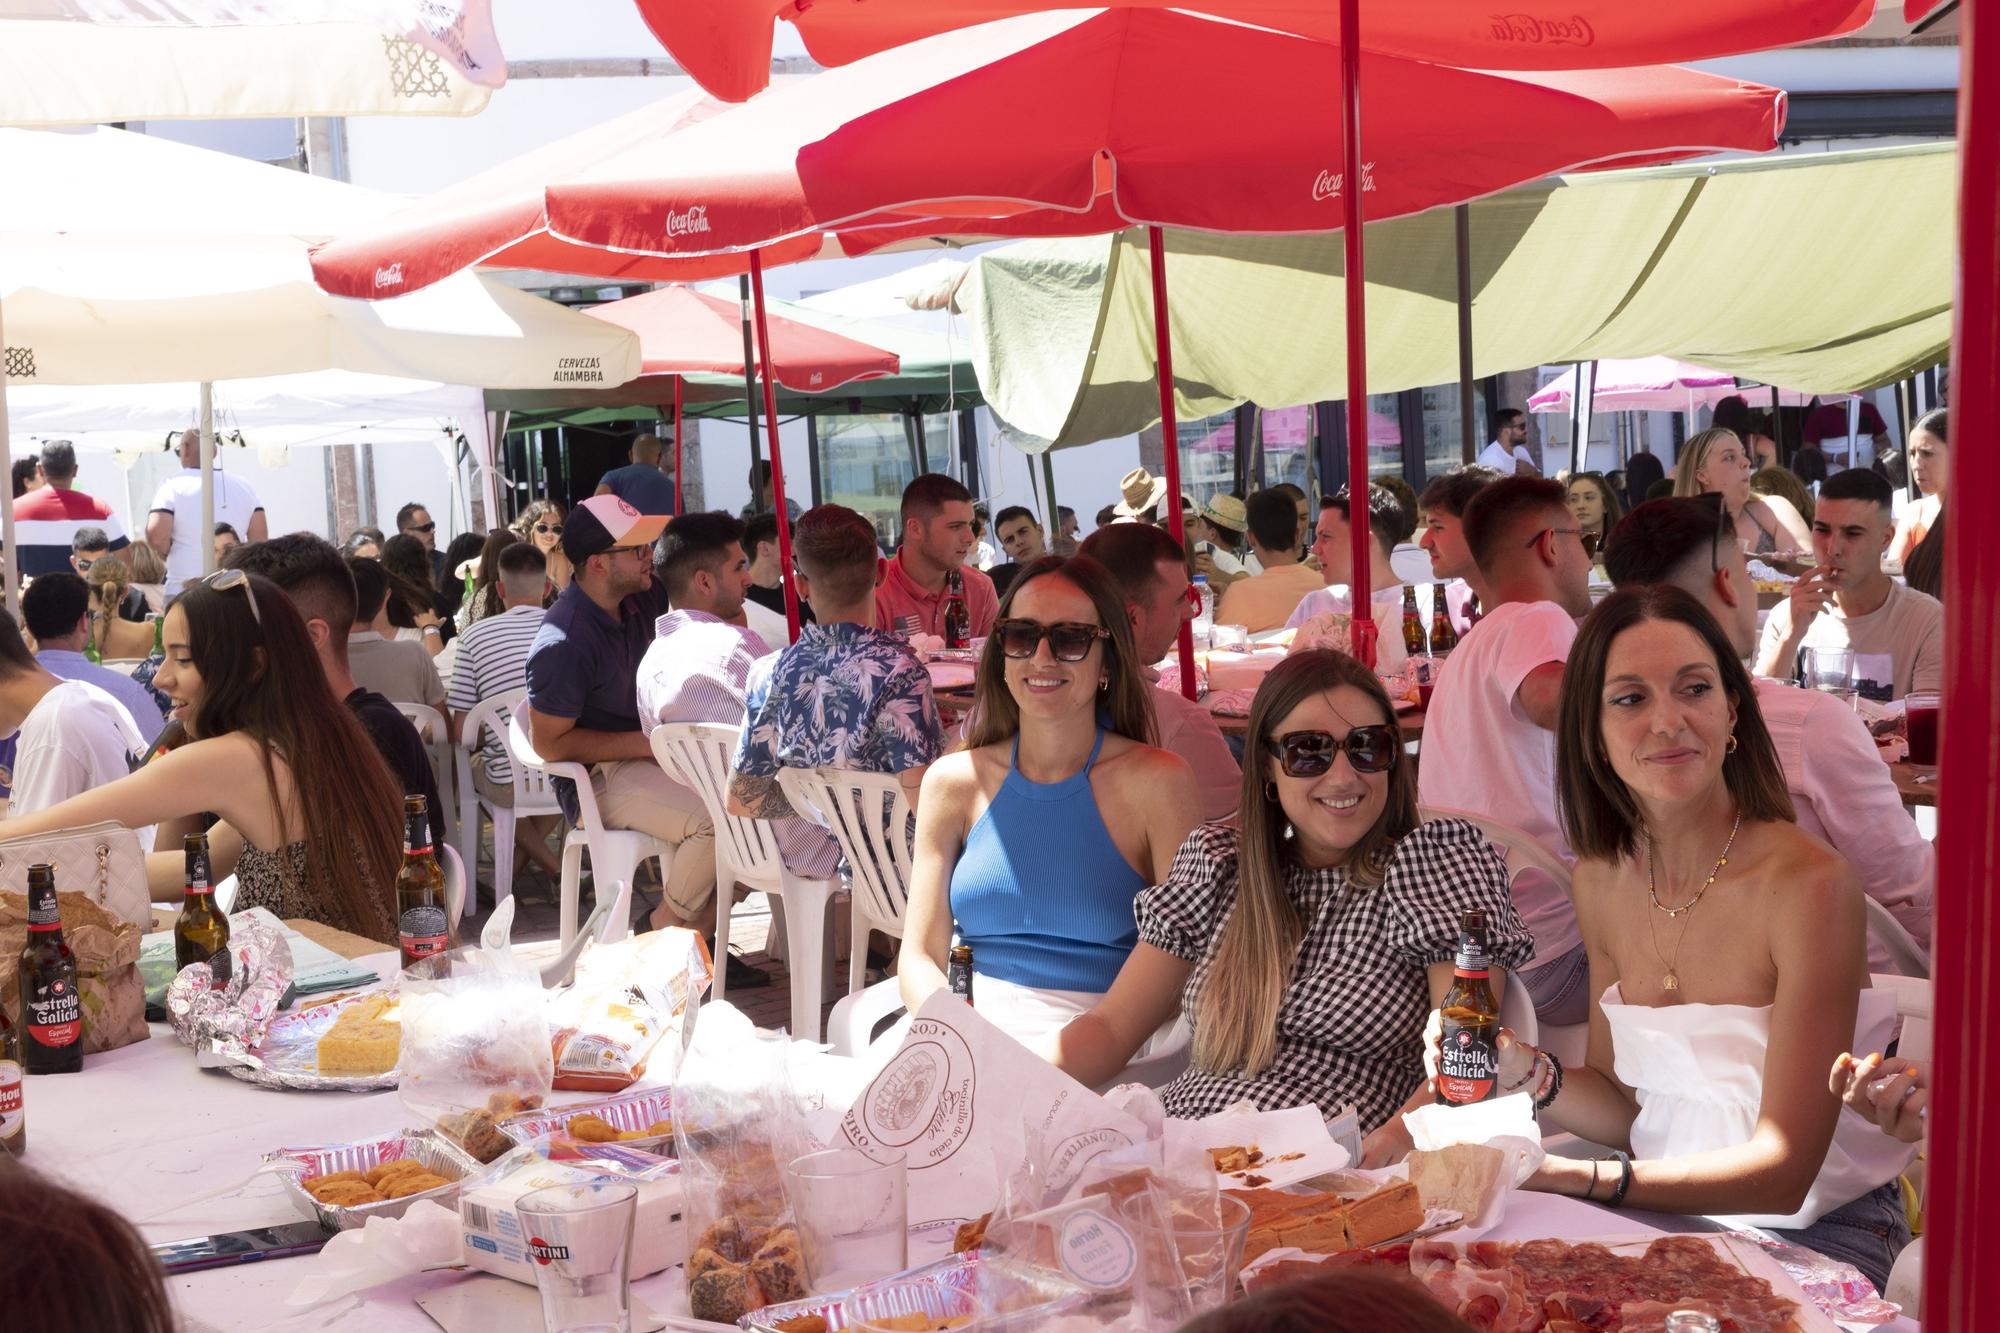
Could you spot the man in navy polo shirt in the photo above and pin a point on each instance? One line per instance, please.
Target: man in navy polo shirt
(583, 696)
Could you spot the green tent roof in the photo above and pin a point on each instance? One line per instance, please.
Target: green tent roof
(1819, 271)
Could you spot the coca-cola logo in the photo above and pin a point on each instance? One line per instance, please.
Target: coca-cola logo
(693, 218)
(544, 1253)
(1328, 184)
(1534, 30)
(389, 276)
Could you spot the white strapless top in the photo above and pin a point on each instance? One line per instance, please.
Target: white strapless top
(1698, 1073)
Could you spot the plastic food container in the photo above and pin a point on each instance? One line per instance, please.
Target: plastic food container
(436, 1154)
(630, 1112)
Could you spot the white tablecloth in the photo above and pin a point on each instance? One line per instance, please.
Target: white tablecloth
(176, 1150)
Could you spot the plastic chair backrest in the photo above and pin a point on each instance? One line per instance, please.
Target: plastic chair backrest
(1903, 948)
(454, 882)
(522, 750)
(868, 815)
(532, 795)
(430, 724)
(225, 895)
(1914, 1000)
(697, 755)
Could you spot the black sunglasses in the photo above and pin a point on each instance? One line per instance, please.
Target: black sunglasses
(1068, 642)
(547, 529)
(422, 527)
(1589, 539)
(1308, 754)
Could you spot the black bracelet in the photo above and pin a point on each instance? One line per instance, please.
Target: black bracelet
(1543, 1102)
(1617, 1199)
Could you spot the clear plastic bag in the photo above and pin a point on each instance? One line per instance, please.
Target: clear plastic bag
(737, 1124)
(475, 1047)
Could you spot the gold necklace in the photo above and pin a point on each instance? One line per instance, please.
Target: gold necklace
(1672, 965)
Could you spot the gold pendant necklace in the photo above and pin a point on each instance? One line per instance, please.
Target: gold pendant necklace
(1673, 981)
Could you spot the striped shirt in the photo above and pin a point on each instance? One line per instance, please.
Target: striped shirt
(45, 521)
(698, 670)
(492, 659)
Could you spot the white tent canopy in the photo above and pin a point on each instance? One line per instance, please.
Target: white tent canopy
(89, 61)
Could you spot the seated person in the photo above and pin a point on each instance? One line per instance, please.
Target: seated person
(91, 545)
(1333, 547)
(1216, 531)
(56, 610)
(72, 736)
(1036, 838)
(400, 670)
(1726, 962)
(1842, 792)
(1715, 460)
(1264, 601)
(1893, 1093)
(76, 1262)
(1847, 601)
(311, 821)
(767, 589)
(1306, 943)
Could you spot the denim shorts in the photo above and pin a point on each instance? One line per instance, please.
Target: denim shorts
(1868, 1233)
(1559, 988)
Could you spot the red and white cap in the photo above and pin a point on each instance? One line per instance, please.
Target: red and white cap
(605, 521)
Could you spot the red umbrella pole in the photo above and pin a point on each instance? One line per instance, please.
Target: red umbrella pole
(1353, 182)
(777, 454)
(1964, 1135)
(678, 507)
(1170, 435)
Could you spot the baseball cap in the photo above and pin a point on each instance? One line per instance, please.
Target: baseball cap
(605, 521)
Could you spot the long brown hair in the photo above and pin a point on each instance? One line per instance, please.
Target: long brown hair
(260, 676)
(995, 714)
(1350, 1300)
(486, 584)
(1600, 815)
(71, 1265)
(1236, 1019)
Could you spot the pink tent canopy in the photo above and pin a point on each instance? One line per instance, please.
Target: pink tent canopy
(1662, 384)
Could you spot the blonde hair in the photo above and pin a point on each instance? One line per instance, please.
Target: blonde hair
(1236, 1018)
(1694, 457)
(144, 562)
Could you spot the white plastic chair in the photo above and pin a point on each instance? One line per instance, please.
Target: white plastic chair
(532, 793)
(1904, 950)
(435, 733)
(615, 853)
(1914, 1000)
(868, 815)
(697, 755)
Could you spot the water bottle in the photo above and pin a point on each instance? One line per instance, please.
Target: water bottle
(1204, 617)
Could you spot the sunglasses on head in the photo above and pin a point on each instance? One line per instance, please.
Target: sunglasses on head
(1067, 642)
(222, 580)
(1308, 754)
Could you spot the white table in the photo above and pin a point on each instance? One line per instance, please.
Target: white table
(176, 1149)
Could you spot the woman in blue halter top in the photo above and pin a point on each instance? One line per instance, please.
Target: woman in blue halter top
(1033, 840)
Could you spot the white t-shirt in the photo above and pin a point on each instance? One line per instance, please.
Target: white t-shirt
(1385, 604)
(1482, 755)
(180, 495)
(76, 739)
(1495, 456)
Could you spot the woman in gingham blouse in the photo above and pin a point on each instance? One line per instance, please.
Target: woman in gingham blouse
(1308, 943)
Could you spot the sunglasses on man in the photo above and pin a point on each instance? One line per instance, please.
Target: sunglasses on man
(1068, 642)
(1589, 539)
(422, 527)
(1308, 754)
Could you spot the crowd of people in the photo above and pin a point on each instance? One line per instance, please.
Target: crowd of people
(1282, 912)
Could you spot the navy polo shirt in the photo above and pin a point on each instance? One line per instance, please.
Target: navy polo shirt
(585, 665)
(643, 486)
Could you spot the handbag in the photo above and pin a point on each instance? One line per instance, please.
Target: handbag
(106, 908)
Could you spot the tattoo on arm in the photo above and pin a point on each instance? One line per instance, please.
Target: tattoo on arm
(762, 797)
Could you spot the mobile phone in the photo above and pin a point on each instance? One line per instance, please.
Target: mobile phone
(242, 1247)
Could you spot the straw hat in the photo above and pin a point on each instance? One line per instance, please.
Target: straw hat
(1226, 511)
(1142, 491)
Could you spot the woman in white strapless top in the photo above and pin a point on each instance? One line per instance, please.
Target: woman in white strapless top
(1726, 954)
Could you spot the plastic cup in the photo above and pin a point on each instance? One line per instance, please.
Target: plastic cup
(580, 1240)
(1920, 719)
(853, 1216)
(1190, 1251)
(1230, 638)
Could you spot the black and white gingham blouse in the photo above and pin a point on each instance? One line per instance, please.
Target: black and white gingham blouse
(1351, 1024)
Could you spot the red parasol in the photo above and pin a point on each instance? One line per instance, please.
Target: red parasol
(686, 332)
(726, 44)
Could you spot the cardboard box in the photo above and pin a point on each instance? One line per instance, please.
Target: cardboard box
(494, 1242)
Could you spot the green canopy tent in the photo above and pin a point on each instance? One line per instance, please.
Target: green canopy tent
(1821, 271)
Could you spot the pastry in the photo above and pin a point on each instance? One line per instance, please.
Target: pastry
(377, 1174)
(403, 1185)
(340, 1175)
(970, 1234)
(805, 1323)
(1462, 1176)
(736, 1268)
(1232, 1159)
(365, 1039)
(587, 1128)
(1391, 1211)
(344, 1194)
(723, 1295)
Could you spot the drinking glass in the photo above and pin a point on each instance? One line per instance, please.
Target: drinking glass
(1920, 719)
(1831, 671)
(1190, 1249)
(853, 1216)
(580, 1241)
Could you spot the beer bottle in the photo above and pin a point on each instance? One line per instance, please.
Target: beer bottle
(1443, 637)
(1471, 611)
(51, 1009)
(13, 1118)
(423, 927)
(1414, 642)
(958, 975)
(957, 625)
(1468, 1058)
(200, 932)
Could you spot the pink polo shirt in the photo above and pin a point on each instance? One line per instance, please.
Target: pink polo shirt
(898, 595)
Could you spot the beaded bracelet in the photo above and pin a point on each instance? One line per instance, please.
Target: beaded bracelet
(1534, 1066)
(1552, 1085)
(1617, 1199)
